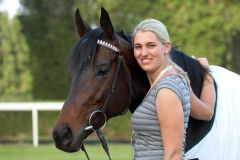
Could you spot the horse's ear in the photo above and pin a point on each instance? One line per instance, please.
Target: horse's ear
(81, 26)
(106, 24)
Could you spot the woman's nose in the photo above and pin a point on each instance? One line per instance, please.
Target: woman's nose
(144, 51)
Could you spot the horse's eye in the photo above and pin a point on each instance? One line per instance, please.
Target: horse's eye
(102, 71)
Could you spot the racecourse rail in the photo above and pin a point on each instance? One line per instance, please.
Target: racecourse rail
(34, 107)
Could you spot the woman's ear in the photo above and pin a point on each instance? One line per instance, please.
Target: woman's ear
(167, 47)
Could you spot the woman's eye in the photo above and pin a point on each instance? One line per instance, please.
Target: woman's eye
(151, 46)
(137, 47)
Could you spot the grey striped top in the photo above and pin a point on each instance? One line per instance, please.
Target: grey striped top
(147, 137)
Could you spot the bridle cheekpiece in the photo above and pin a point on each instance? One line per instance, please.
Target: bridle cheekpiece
(120, 63)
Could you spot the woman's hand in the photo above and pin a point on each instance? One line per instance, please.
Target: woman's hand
(203, 61)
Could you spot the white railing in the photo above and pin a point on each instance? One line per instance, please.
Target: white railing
(34, 107)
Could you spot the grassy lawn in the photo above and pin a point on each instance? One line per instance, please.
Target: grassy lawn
(49, 152)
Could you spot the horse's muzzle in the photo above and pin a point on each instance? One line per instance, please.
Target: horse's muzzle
(64, 139)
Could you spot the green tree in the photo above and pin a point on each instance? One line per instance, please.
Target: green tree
(15, 75)
(49, 28)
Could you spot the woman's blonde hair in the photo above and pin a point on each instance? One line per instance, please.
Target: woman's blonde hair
(160, 30)
(154, 26)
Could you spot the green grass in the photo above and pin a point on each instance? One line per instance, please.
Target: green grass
(49, 152)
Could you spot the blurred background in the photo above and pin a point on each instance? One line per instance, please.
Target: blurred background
(36, 37)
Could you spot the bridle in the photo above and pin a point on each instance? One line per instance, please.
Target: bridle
(102, 111)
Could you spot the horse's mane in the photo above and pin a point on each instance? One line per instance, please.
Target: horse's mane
(84, 50)
(194, 69)
(124, 36)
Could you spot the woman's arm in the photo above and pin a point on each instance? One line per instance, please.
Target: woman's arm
(171, 118)
(203, 108)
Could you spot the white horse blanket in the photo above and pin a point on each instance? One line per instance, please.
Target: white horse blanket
(223, 140)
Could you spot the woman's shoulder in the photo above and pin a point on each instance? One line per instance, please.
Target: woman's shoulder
(174, 82)
(173, 79)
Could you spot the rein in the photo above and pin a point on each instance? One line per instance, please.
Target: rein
(120, 62)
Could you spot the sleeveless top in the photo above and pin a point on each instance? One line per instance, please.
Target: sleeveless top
(147, 139)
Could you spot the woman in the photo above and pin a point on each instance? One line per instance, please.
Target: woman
(160, 121)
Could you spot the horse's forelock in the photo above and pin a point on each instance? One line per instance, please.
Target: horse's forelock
(84, 50)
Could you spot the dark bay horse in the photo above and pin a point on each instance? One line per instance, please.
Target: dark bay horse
(106, 80)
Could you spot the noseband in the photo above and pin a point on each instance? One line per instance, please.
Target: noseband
(120, 62)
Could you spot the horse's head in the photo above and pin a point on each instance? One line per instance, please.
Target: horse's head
(101, 82)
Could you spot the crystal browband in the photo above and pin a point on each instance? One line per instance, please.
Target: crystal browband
(108, 45)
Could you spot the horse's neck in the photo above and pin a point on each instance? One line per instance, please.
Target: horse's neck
(140, 84)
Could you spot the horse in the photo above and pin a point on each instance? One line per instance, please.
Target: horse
(107, 81)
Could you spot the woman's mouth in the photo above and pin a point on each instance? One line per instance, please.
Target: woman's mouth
(145, 61)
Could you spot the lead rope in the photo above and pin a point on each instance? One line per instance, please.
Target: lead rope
(85, 151)
(103, 142)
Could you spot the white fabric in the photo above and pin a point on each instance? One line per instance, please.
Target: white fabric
(223, 141)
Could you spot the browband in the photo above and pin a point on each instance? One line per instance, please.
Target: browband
(108, 45)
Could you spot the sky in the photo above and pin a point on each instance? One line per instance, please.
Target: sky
(11, 6)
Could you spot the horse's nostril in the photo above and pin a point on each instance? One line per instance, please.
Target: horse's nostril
(67, 136)
(62, 136)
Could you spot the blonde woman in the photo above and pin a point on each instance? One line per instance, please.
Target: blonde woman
(160, 122)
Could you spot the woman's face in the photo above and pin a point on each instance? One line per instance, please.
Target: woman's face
(150, 52)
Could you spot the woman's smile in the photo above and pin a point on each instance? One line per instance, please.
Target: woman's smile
(145, 61)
